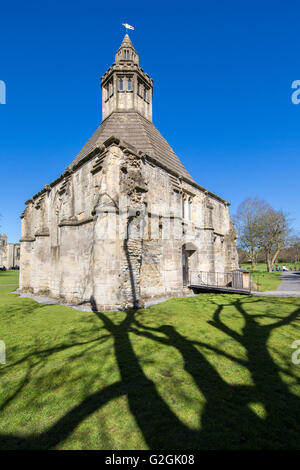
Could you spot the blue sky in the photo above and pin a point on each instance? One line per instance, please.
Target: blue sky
(222, 92)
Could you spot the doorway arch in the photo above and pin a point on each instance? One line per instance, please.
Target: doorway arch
(188, 249)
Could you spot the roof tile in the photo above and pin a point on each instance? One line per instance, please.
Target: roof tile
(139, 132)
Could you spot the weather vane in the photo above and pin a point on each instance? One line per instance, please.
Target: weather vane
(127, 26)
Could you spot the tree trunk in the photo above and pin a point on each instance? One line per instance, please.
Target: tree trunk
(253, 259)
(274, 257)
(269, 262)
(269, 266)
(270, 259)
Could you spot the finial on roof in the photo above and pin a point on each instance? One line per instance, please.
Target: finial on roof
(128, 26)
(127, 41)
(126, 52)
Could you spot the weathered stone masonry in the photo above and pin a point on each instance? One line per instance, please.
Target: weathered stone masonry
(9, 253)
(125, 222)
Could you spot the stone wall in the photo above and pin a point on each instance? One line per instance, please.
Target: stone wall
(9, 253)
(111, 231)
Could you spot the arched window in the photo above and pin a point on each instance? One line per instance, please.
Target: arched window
(210, 216)
(190, 209)
(121, 84)
(145, 93)
(139, 88)
(129, 84)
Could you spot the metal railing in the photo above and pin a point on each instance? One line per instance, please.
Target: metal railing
(232, 279)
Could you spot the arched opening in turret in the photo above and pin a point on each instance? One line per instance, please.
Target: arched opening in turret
(124, 80)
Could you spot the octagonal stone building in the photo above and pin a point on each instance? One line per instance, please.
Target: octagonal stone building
(125, 223)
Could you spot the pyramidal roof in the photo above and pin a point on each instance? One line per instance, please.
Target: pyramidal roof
(141, 133)
(126, 42)
(131, 121)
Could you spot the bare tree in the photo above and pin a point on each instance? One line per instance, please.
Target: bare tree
(243, 256)
(275, 229)
(291, 252)
(248, 221)
(261, 230)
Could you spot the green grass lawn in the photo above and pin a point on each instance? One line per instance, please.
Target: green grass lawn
(205, 372)
(9, 277)
(265, 281)
(262, 267)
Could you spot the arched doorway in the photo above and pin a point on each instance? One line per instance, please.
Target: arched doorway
(188, 249)
(185, 268)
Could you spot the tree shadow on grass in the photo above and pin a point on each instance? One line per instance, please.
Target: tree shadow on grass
(227, 420)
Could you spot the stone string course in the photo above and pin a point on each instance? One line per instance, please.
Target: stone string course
(87, 251)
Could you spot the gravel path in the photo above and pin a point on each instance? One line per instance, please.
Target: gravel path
(49, 301)
(289, 287)
(5, 285)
